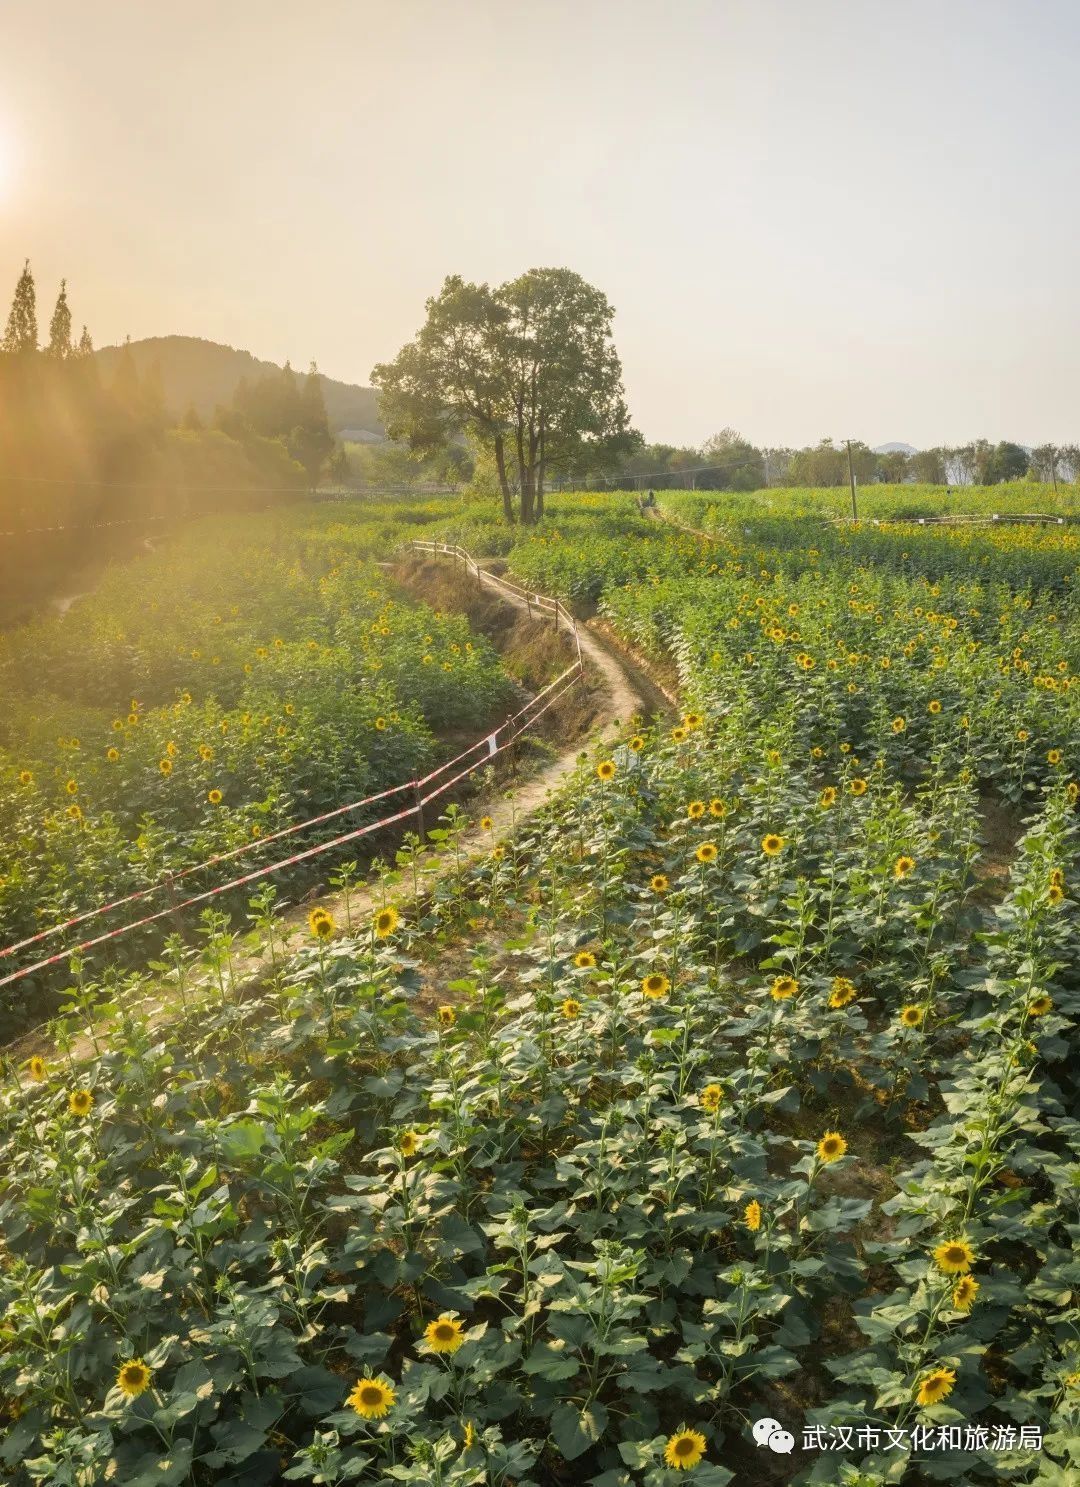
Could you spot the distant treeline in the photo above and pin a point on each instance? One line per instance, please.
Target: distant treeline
(729, 462)
(79, 451)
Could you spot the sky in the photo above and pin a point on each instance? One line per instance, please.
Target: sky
(852, 218)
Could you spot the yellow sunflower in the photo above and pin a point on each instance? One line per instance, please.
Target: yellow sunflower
(964, 1293)
(570, 1009)
(214, 797)
(386, 921)
(36, 1068)
(783, 987)
(695, 810)
(954, 1256)
(605, 770)
(486, 823)
(772, 845)
(936, 1386)
(858, 786)
(658, 883)
(684, 1449)
(752, 1215)
(827, 797)
(133, 1378)
(717, 808)
(408, 1143)
(80, 1101)
(637, 743)
(585, 960)
(933, 707)
(831, 1147)
(371, 1398)
(706, 852)
(1039, 1006)
(711, 1097)
(655, 985)
(911, 1016)
(445, 1335)
(902, 866)
(843, 991)
(321, 924)
(446, 1015)
(679, 735)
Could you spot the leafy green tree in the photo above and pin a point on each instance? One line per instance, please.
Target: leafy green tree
(528, 371)
(21, 335)
(928, 466)
(824, 464)
(1008, 461)
(893, 466)
(310, 442)
(60, 347)
(739, 466)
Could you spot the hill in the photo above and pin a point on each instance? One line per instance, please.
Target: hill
(895, 448)
(202, 374)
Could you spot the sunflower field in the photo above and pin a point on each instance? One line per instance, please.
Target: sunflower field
(257, 672)
(722, 1123)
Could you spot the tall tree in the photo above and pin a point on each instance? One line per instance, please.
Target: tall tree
(310, 442)
(60, 327)
(21, 336)
(893, 466)
(739, 466)
(928, 466)
(1008, 461)
(528, 371)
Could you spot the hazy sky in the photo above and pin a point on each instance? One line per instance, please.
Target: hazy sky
(813, 217)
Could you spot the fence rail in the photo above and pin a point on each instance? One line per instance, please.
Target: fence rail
(417, 794)
(542, 603)
(963, 519)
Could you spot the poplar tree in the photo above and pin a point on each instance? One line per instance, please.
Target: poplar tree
(60, 326)
(21, 334)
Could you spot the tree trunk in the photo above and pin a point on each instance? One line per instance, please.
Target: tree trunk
(504, 484)
(540, 475)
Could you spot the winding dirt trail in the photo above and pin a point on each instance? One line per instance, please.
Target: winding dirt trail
(624, 692)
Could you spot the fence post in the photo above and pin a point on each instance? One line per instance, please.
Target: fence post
(419, 811)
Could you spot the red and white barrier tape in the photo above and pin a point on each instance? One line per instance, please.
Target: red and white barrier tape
(487, 742)
(286, 831)
(274, 867)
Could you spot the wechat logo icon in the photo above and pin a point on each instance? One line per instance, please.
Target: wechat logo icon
(771, 1433)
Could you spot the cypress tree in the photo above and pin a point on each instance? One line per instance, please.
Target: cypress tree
(21, 335)
(60, 327)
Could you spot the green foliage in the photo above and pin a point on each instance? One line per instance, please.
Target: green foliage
(258, 671)
(692, 1102)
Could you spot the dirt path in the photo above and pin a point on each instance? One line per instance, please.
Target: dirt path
(625, 692)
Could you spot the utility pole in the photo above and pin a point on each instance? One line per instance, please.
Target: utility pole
(1053, 467)
(851, 478)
